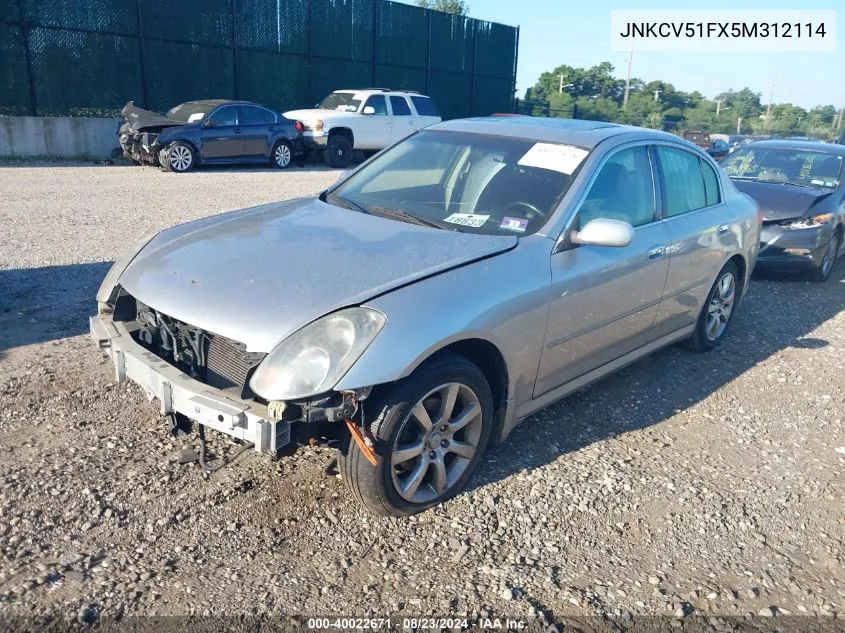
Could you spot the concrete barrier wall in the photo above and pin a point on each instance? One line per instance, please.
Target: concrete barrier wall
(65, 137)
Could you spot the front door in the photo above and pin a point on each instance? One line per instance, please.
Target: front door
(221, 136)
(372, 131)
(604, 299)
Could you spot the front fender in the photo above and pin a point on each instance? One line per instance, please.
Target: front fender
(502, 300)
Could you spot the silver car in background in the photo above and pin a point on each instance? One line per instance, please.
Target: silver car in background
(447, 288)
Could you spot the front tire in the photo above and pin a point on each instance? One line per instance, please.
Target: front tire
(179, 157)
(282, 155)
(338, 152)
(430, 432)
(821, 272)
(717, 310)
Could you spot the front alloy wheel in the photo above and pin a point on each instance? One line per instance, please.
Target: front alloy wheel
(180, 157)
(823, 270)
(430, 431)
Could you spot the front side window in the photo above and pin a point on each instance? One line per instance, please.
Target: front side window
(377, 103)
(683, 182)
(400, 106)
(788, 166)
(224, 116)
(623, 190)
(464, 182)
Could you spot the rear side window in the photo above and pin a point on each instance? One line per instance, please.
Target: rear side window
(250, 115)
(711, 184)
(400, 106)
(425, 106)
(683, 189)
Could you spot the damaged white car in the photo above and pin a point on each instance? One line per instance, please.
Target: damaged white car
(454, 284)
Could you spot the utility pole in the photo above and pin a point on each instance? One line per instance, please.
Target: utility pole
(628, 79)
(771, 98)
(839, 120)
(656, 93)
(560, 87)
(738, 124)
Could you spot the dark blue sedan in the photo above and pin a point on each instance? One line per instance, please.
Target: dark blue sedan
(214, 131)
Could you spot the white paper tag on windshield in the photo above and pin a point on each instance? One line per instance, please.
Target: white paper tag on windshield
(196, 116)
(468, 219)
(562, 158)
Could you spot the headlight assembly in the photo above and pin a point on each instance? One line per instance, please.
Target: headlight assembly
(314, 359)
(810, 223)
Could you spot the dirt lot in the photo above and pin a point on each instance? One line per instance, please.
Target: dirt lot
(687, 484)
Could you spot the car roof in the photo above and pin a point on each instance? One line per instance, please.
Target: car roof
(579, 132)
(816, 146)
(218, 102)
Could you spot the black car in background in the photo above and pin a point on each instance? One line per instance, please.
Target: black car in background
(214, 131)
(799, 187)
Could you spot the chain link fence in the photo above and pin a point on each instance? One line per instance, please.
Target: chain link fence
(88, 58)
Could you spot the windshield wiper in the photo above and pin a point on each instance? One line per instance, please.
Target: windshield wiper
(345, 203)
(743, 177)
(787, 182)
(407, 217)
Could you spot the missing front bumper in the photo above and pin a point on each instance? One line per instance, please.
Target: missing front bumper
(176, 392)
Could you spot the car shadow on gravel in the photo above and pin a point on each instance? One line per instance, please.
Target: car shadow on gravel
(44, 304)
(778, 312)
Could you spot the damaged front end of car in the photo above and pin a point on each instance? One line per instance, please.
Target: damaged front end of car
(138, 134)
(199, 379)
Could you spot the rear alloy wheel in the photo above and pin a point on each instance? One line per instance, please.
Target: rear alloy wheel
(282, 155)
(338, 152)
(179, 157)
(822, 271)
(717, 310)
(431, 431)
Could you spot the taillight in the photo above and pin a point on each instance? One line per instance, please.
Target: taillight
(298, 125)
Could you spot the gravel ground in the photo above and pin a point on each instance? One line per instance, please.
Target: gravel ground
(685, 485)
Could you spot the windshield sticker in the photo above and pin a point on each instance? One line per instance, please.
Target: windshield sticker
(514, 224)
(562, 158)
(196, 116)
(468, 219)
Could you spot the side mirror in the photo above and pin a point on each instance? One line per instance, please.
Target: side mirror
(209, 123)
(604, 232)
(369, 110)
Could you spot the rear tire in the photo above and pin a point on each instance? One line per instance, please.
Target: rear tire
(179, 157)
(821, 272)
(421, 463)
(338, 152)
(717, 310)
(282, 155)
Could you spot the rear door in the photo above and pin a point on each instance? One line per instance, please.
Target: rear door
(702, 233)
(405, 122)
(221, 136)
(256, 125)
(604, 299)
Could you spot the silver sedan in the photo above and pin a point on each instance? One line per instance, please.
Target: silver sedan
(447, 288)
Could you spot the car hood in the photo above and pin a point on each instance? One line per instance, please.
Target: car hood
(138, 119)
(258, 275)
(317, 113)
(782, 201)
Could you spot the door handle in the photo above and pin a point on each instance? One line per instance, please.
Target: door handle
(271, 129)
(656, 252)
(237, 130)
(724, 229)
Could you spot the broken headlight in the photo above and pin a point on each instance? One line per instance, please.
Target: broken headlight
(313, 359)
(810, 223)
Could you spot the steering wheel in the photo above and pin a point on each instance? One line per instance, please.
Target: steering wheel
(532, 210)
(773, 173)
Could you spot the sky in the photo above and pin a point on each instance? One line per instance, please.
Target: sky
(577, 33)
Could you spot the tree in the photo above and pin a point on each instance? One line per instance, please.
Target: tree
(455, 7)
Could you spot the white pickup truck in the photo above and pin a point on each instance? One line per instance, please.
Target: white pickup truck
(368, 120)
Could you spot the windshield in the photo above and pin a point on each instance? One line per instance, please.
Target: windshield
(788, 166)
(188, 112)
(342, 101)
(465, 182)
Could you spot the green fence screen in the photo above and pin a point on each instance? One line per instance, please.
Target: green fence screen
(89, 57)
